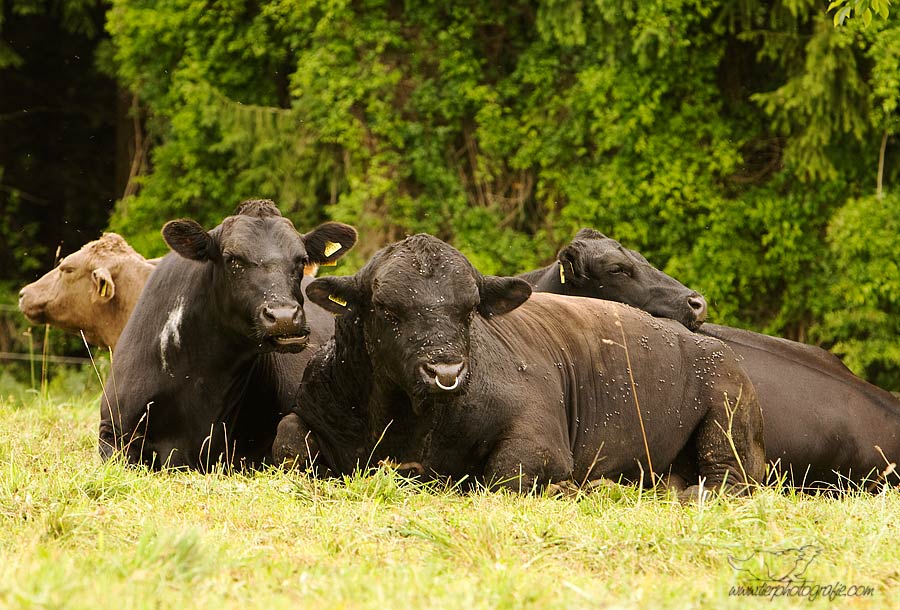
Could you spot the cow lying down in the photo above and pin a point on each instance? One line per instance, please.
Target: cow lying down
(214, 350)
(593, 265)
(462, 373)
(92, 290)
(824, 425)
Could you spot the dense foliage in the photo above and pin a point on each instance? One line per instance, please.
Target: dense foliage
(736, 144)
(861, 312)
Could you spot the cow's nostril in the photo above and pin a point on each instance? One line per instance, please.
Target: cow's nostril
(268, 315)
(446, 375)
(698, 304)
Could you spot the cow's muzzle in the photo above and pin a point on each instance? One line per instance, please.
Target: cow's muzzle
(699, 309)
(31, 307)
(443, 376)
(284, 327)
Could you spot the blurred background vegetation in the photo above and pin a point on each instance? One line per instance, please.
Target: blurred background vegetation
(748, 148)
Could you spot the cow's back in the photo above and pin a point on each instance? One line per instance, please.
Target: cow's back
(841, 417)
(572, 350)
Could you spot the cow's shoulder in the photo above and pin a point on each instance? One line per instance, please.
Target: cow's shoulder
(175, 287)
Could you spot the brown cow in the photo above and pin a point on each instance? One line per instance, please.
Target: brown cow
(92, 290)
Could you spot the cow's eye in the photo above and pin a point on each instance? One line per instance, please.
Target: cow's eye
(233, 262)
(618, 270)
(66, 269)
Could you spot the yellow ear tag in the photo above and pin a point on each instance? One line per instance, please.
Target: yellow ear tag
(331, 264)
(562, 274)
(331, 247)
(337, 299)
(104, 289)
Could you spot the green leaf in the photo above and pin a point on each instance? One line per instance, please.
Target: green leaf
(881, 7)
(841, 15)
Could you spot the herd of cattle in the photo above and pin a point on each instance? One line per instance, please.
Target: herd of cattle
(228, 349)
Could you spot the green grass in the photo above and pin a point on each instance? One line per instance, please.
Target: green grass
(78, 533)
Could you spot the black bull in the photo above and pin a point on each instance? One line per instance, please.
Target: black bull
(823, 424)
(213, 352)
(436, 364)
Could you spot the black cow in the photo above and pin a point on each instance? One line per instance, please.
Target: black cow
(214, 350)
(823, 424)
(436, 364)
(596, 266)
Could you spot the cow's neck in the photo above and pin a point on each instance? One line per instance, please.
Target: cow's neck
(547, 279)
(353, 362)
(399, 423)
(129, 285)
(334, 397)
(199, 341)
(393, 424)
(233, 354)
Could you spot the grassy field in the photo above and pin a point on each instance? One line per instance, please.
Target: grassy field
(77, 533)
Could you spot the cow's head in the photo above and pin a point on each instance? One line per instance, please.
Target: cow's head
(596, 266)
(258, 260)
(92, 290)
(416, 301)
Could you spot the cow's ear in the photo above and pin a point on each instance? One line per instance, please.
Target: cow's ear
(187, 238)
(328, 242)
(338, 294)
(104, 286)
(500, 295)
(571, 260)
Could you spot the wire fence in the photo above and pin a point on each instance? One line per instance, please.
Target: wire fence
(23, 343)
(42, 358)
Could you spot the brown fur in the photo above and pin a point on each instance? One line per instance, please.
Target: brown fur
(70, 300)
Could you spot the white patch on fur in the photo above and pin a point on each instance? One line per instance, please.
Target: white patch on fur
(171, 332)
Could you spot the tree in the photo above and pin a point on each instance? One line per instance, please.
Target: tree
(724, 140)
(862, 9)
(861, 312)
